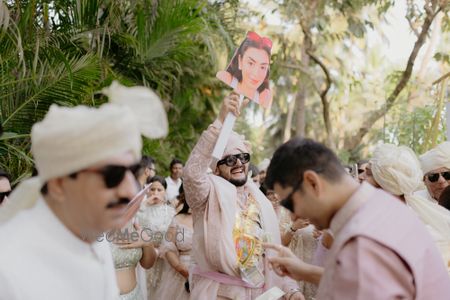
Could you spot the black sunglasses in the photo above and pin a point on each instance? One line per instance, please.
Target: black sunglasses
(435, 176)
(113, 175)
(3, 195)
(231, 160)
(287, 202)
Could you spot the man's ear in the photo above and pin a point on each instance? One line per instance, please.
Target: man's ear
(56, 190)
(312, 182)
(216, 171)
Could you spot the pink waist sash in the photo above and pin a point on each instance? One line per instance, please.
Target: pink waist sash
(222, 278)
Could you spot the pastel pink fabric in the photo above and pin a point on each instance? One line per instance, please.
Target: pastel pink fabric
(214, 204)
(381, 251)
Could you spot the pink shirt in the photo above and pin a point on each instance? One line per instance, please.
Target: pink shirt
(381, 251)
(214, 203)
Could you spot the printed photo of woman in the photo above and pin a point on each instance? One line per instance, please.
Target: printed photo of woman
(248, 71)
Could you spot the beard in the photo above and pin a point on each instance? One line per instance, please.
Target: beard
(238, 182)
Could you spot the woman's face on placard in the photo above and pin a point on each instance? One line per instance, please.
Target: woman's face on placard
(254, 65)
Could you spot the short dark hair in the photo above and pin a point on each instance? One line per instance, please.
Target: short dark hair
(146, 162)
(5, 174)
(298, 155)
(174, 162)
(158, 179)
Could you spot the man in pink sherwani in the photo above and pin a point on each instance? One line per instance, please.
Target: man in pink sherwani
(232, 219)
(381, 249)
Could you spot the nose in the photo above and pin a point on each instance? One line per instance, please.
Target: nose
(238, 162)
(442, 181)
(128, 188)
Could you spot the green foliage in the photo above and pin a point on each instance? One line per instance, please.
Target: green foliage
(63, 52)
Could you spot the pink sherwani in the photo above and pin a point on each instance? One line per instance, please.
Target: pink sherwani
(381, 251)
(214, 204)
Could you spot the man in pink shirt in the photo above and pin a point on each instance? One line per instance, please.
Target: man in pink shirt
(232, 218)
(381, 249)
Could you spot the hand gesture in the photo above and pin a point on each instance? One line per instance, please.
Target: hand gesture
(230, 104)
(287, 264)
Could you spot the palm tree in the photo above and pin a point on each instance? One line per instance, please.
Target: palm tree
(63, 52)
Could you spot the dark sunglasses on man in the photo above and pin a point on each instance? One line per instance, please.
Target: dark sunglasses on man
(231, 160)
(434, 177)
(112, 175)
(3, 195)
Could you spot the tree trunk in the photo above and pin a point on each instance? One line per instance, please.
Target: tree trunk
(415, 96)
(323, 97)
(288, 126)
(302, 92)
(353, 141)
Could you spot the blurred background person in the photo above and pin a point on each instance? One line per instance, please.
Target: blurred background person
(145, 171)
(174, 181)
(155, 217)
(177, 251)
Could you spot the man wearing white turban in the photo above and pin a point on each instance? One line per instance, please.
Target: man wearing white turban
(232, 218)
(262, 167)
(436, 169)
(397, 170)
(51, 233)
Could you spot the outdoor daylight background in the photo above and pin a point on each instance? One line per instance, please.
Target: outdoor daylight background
(349, 73)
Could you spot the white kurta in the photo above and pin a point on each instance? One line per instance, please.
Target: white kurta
(41, 259)
(173, 187)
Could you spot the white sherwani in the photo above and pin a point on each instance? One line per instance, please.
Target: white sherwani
(41, 259)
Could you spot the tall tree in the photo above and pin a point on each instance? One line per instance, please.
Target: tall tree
(432, 9)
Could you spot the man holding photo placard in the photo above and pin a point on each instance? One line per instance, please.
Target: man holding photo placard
(232, 219)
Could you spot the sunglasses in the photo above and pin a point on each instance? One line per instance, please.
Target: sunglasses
(113, 175)
(231, 160)
(435, 176)
(3, 195)
(288, 202)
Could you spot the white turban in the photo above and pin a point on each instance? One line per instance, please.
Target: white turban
(264, 164)
(436, 158)
(235, 144)
(397, 170)
(70, 139)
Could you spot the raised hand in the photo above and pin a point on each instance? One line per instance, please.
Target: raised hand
(230, 104)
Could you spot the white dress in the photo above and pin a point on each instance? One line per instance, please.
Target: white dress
(304, 245)
(155, 220)
(173, 283)
(41, 259)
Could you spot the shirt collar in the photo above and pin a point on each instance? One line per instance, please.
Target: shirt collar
(346, 212)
